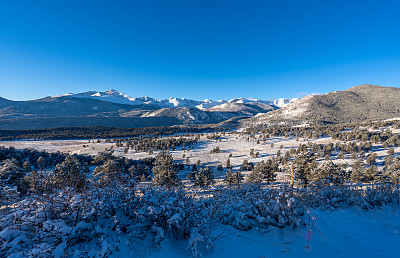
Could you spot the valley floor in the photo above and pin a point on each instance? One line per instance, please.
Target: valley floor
(350, 232)
(238, 146)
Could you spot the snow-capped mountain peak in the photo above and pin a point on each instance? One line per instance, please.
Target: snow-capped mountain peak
(112, 92)
(115, 96)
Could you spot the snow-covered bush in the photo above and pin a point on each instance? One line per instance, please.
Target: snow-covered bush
(255, 207)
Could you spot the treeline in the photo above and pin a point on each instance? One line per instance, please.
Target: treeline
(152, 143)
(95, 132)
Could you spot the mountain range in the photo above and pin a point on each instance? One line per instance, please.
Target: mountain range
(112, 108)
(114, 96)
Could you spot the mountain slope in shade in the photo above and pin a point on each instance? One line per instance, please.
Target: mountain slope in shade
(357, 104)
(193, 115)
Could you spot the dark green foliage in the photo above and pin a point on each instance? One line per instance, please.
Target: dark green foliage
(255, 176)
(371, 174)
(246, 166)
(110, 171)
(228, 163)
(215, 150)
(233, 178)
(371, 160)
(357, 171)
(95, 132)
(11, 173)
(229, 177)
(304, 167)
(263, 171)
(164, 172)
(71, 173)
(328, 172)
(203, 178)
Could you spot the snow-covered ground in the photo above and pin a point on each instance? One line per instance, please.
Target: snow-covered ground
(349, 232)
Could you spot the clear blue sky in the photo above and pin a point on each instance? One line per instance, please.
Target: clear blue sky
(197, 48)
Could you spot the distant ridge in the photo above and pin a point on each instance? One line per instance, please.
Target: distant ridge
(112, 108)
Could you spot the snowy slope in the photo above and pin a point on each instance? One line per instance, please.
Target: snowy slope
(248, 100)
(209, 104)
(251, 108)
(342, 233)
(283, 102)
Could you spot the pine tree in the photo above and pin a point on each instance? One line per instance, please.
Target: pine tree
(228, 163)
(263, 170)
(252, 152)
(70, 173)
(328, 172)
(229, 177)
(371, 174)
(255, 176)
(11, 173)
(27, 167)
(357, 171)
(164, 171)
(371, 160)
(237, 178)
(246, 166)
(270, 169)
(40, 162)
(204, 177)
(304, 167)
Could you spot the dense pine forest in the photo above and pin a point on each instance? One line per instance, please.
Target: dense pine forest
(98, 132)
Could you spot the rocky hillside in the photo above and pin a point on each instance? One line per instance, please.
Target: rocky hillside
(357, 104)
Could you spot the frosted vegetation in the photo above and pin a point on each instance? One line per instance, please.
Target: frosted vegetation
(59, 204)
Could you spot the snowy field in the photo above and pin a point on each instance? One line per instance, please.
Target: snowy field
(233, 144)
